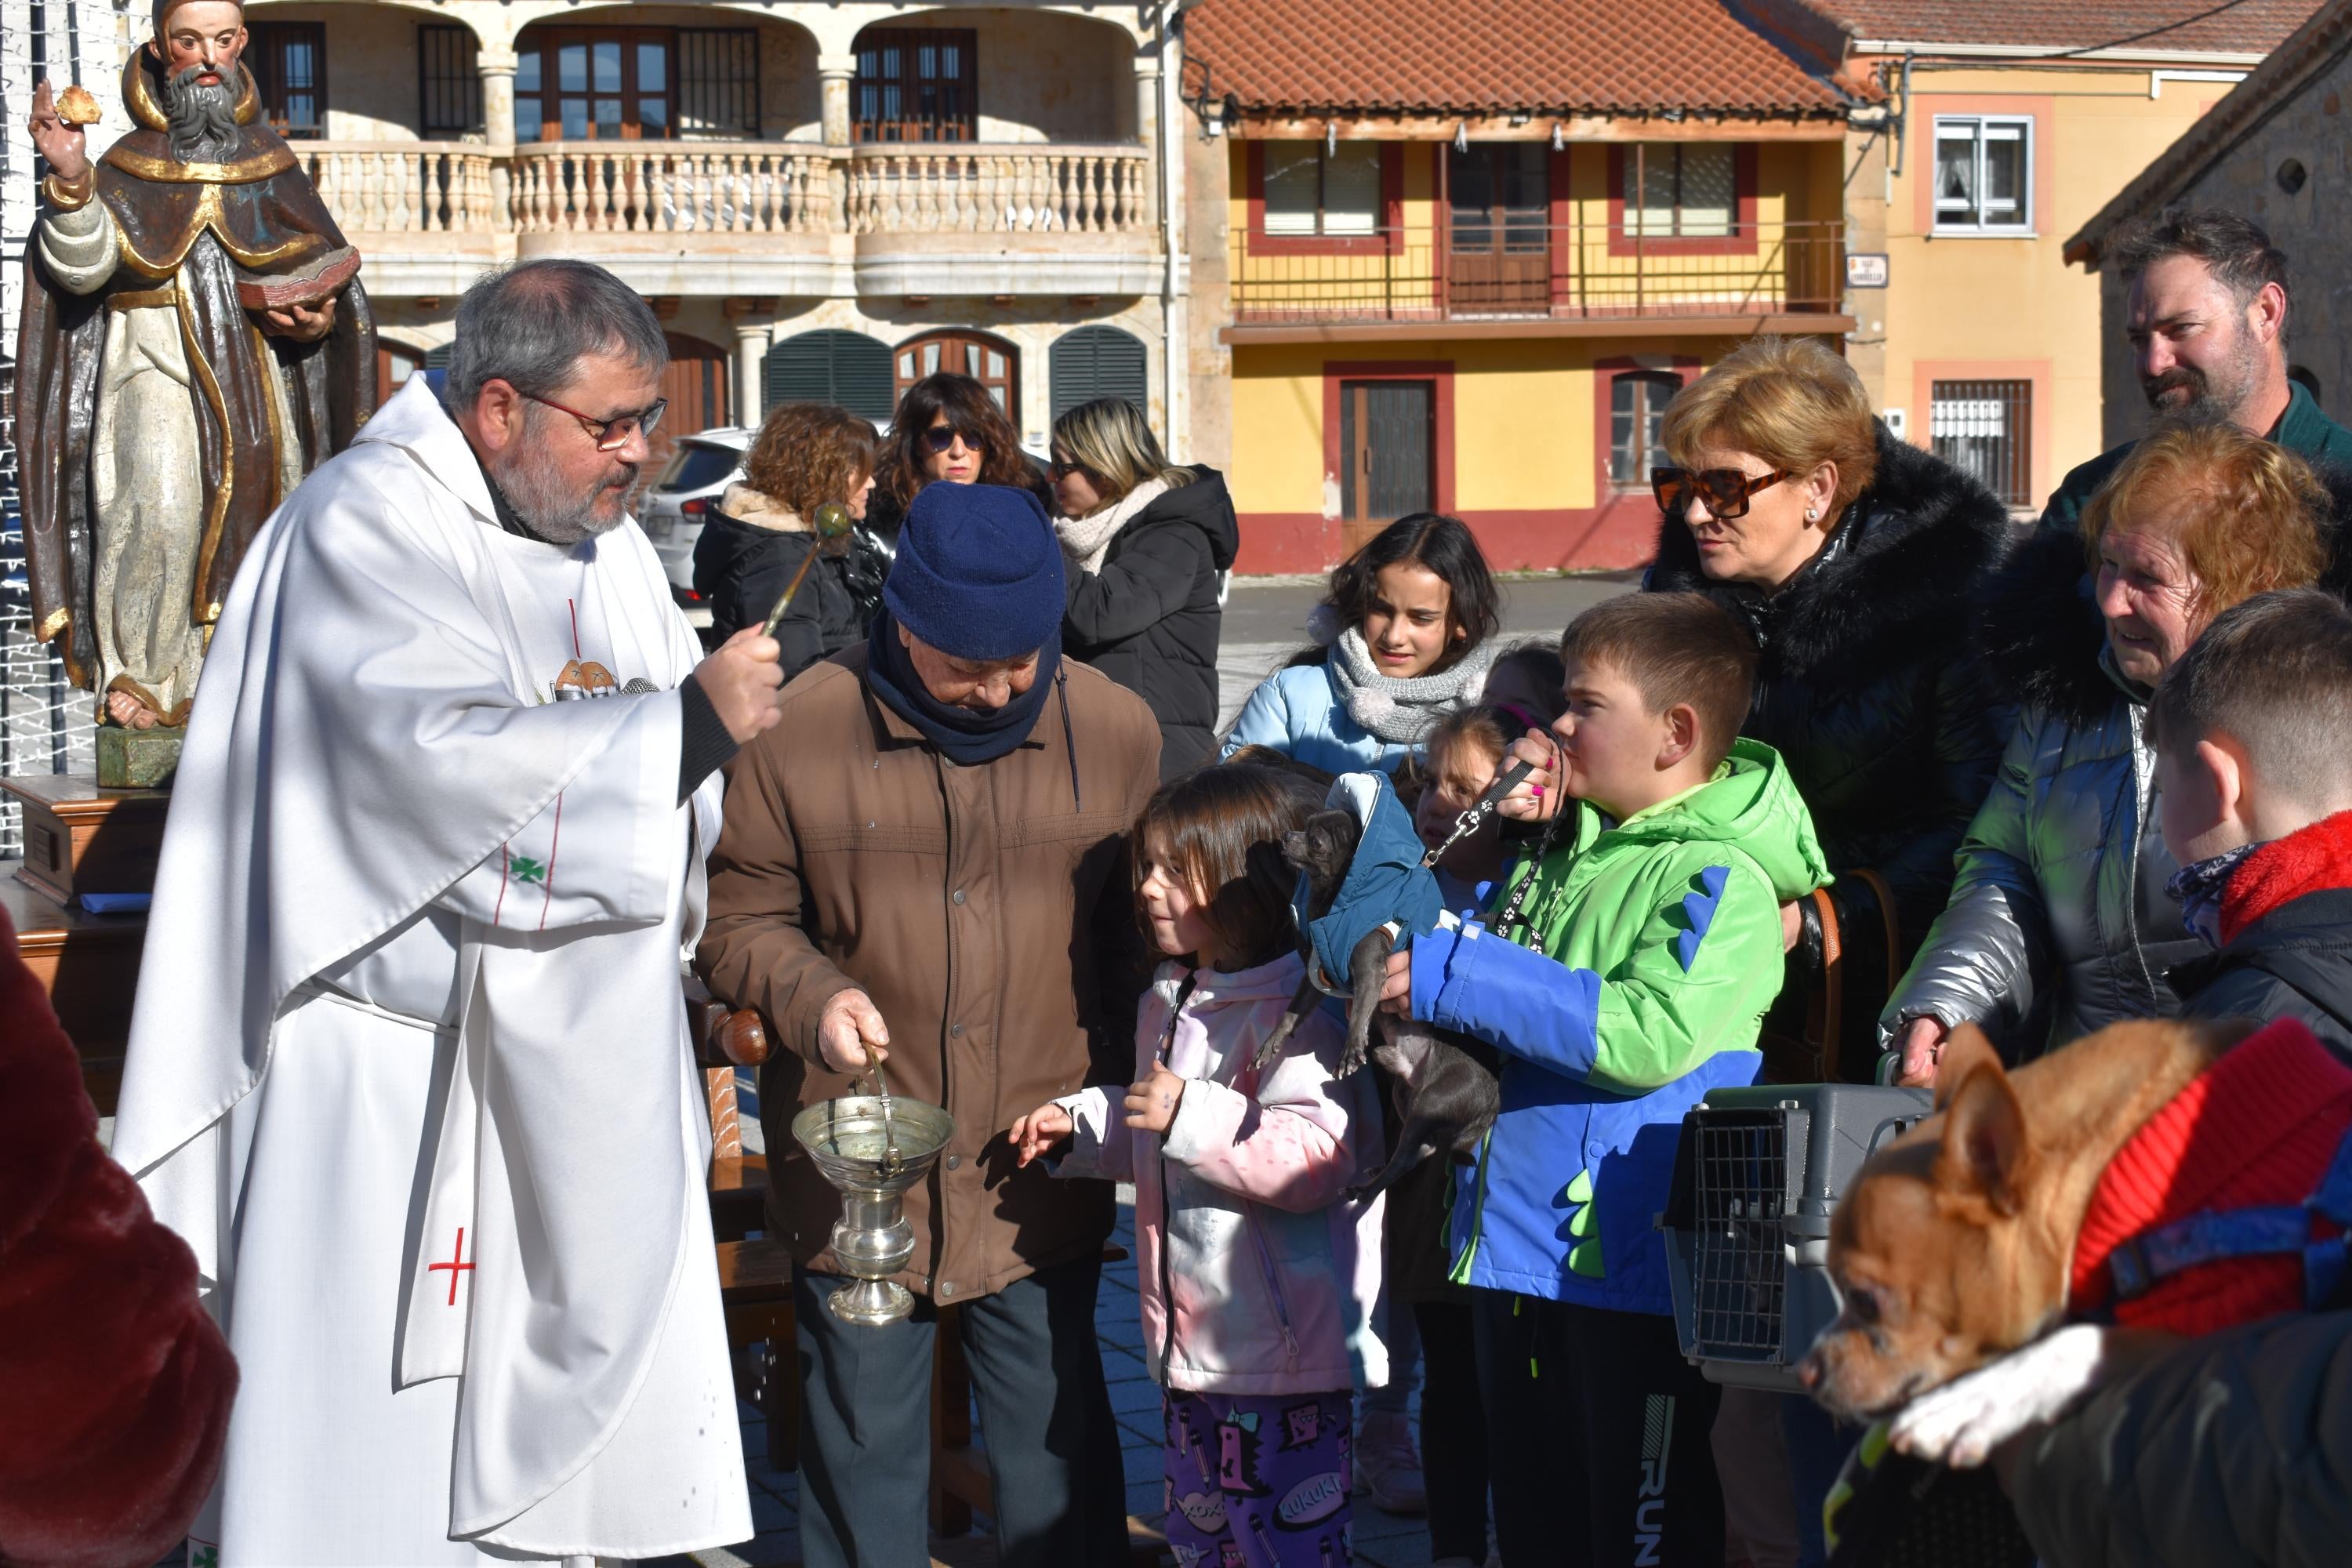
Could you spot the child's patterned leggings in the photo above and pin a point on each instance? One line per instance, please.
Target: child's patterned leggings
(1259, 1482)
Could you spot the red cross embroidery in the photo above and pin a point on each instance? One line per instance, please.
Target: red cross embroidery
(452, 1266)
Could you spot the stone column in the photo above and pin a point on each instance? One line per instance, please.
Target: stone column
(1147, 129)
(497, 67)
(833, 74)
(750, 319)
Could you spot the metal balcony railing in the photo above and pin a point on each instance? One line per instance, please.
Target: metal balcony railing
(1564, 271)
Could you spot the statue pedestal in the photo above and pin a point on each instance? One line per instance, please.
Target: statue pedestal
(89, 966)
(138, 759)
(82, 839)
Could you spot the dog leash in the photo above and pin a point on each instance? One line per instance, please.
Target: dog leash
(1471, 820)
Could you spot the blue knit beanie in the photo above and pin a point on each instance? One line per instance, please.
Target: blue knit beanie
(979, 573)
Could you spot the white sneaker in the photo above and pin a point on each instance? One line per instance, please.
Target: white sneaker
(1387, 1467)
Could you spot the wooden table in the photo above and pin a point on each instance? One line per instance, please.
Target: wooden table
(90, 965)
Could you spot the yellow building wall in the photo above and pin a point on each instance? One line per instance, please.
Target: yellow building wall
(1961, 306)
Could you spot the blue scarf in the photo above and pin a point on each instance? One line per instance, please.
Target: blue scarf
(963, 735)
(2200, 886)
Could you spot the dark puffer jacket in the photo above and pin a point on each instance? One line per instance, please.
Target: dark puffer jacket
(1867, 688)
(1149, 618)
(2059, 923)
(2231, 1452)
(749, 548)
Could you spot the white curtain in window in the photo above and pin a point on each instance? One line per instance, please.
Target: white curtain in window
(1351, 189)
(1293, 172)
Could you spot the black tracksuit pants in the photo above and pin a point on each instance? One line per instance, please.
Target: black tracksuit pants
(1597, 1437)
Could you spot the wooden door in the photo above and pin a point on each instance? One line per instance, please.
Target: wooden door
(1499, 240)
(699, 384)
(1388, 442)
(993, 364)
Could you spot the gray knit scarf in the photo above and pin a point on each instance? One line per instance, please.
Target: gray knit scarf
(1400, 710)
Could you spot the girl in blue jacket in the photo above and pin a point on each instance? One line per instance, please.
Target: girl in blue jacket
(1402, 637)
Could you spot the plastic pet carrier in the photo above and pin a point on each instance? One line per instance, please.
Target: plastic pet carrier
(1748, 1219)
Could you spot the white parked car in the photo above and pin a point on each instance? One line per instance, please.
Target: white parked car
(700, 470)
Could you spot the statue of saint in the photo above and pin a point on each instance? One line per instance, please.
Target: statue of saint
(195, 341)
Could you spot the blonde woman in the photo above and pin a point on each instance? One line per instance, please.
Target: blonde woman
(1142, 543)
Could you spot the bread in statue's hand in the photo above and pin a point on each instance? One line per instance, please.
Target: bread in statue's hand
(76, 106)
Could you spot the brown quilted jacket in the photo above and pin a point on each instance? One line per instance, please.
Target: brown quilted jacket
(987, 913)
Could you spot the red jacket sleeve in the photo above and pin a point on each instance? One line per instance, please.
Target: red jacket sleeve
(119, 1384)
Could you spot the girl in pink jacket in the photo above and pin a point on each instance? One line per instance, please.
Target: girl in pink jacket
(1257, 1275)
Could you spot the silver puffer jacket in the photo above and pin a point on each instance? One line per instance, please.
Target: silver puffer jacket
(2059, 922)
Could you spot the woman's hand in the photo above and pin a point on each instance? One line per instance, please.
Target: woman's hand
(1535, 798)
(1396, 991)
(1922, 1045)
(1152, 1099)
(1793, 925)
(1040, 1131)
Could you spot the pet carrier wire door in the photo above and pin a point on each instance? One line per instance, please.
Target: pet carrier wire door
(1747, 1225)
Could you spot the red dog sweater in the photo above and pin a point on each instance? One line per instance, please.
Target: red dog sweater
(2259, 1129)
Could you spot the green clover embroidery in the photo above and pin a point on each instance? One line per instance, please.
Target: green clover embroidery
(523, 869)
(202, 1556)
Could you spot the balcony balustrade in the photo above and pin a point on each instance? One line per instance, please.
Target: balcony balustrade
(731, 188)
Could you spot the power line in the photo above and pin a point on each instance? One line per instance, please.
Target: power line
(2150, 33)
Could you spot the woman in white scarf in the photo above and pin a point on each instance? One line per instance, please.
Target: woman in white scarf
(1143, 543)
(1402, 637)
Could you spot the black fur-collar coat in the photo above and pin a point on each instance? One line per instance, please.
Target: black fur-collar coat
(1869, 685)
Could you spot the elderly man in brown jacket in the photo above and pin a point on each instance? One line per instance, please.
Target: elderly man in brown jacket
(928, 854)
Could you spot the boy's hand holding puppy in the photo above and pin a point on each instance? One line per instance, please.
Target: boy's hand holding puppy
(1151, 1102)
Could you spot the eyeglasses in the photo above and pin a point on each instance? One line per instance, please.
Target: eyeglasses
(939, 437)
(1724, 491)
(610, 435)
(1059, 470)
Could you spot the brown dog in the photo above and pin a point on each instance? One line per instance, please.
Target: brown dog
(1953, 1245)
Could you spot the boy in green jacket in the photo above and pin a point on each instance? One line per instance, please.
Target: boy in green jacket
(1626, 973)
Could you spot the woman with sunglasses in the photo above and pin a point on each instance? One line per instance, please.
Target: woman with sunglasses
(949, 429)
(1861, 564)
(763, 532)
(1142, 543)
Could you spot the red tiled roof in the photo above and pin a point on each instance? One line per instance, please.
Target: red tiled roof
(2247, 28)
(1482, 57)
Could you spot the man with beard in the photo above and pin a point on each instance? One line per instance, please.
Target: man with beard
(195, 340)
(2208, 326)
(408, 1065)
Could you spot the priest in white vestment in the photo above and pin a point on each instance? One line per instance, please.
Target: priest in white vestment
(409, 1067)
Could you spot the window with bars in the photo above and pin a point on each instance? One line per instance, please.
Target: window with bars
(1311, 191)
(1682, 190)
(719, 83)
(1984, 174)
(1984, 428)
(288, 61)
(1637, 416)
(916, 84)
(449, 84)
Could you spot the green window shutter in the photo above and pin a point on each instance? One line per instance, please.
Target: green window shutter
(832, 366)
(1088, 362)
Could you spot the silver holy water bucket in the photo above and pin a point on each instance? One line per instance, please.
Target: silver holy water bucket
(872, 1162)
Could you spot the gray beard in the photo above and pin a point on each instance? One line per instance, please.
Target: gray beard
(540, 497)
(200, 121)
